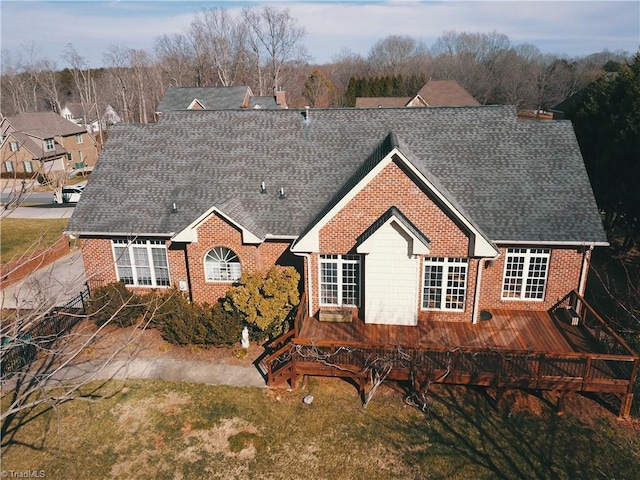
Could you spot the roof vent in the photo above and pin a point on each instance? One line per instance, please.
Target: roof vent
(263, 188)
(174, 208)
(281, 195)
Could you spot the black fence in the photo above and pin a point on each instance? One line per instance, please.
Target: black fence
(19, 351)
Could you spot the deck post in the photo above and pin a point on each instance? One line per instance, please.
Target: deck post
(562, 395)
(627, 398)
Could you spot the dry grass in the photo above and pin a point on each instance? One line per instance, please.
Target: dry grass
(156, 430)
(18, 235)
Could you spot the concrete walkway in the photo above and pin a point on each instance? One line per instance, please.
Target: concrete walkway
(166, 369)
(48, 212)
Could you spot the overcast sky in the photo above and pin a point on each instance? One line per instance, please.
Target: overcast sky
(568, 28)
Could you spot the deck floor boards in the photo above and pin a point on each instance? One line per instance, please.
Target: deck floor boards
(534, 331)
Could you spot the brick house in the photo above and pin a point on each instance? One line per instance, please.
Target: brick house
(33, 140)
(400, 221)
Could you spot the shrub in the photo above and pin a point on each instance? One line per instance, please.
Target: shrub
(184, 323)
(114, 303)
(265, 301)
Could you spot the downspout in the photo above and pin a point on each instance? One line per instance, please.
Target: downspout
(308, 282)
(476, 298)
(586, 261)
(475, 317)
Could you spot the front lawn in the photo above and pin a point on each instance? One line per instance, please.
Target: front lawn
(18, 235)
(156, 430)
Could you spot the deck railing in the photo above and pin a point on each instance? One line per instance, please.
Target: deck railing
(612, 368)
(605, 337)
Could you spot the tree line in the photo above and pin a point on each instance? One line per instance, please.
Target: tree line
(264, 49)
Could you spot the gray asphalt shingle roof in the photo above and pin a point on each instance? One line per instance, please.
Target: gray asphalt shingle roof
(211, 98)
(517, 181)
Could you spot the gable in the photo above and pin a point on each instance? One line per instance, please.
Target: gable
(393, 219)
(394, 182)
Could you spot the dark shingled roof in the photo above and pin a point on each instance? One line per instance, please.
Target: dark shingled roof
(517, 181)
(211, 98)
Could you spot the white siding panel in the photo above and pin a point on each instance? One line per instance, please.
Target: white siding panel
(391, 278)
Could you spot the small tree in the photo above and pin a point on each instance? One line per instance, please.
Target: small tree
(266, 300)
(54, 178)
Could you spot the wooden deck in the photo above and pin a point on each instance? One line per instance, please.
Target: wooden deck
(508, 329)
(513, 349)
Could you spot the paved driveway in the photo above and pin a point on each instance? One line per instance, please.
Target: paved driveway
(55, 284)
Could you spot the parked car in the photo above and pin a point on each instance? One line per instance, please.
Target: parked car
(70, 194)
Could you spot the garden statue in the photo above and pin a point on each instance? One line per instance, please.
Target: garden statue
(245, 338)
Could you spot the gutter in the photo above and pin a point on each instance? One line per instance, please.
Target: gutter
(552, 243)
(118, 234)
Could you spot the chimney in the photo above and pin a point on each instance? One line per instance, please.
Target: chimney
(281, 98)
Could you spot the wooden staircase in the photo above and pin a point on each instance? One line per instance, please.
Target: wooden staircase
(276, 364)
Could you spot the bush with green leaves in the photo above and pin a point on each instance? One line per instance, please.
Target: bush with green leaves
(116, 304)
(265, 300)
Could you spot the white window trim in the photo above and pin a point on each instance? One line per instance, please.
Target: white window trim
(529, 254)
(341, 261)
(234, 274)
(448, 264)
(79, 138)
(28, 166)
(149, 245)
(8, 166)
(14, 146)
(49, 144)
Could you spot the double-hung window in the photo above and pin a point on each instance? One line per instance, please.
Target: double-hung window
(79, 138)
(340, 280)
(141, 263)
(525, 273)
(13, 146)
(28, 166)
(49, 144)
(445, 283)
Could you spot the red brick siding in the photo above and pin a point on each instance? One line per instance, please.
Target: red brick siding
(392, 187)
(565, 266)
(97, 256)
(217, 232)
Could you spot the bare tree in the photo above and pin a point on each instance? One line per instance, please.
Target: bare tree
(222, 38)
(175, 57)
(82, 78)
(49, 83)
(276, 37)
(53, 174)
(47, 334)
(398, 55)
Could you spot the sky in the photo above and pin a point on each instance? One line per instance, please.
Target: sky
(564, 28)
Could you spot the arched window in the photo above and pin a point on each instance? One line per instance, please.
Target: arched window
(221, 265)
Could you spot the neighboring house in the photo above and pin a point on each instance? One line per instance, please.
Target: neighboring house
(74, 113)
(406, 225)
(31, 140)
(217, 98)
(434, 93)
